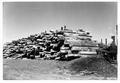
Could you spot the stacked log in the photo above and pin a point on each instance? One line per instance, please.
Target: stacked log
(45, 45)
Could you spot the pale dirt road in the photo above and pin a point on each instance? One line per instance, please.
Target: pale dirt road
(42, 70)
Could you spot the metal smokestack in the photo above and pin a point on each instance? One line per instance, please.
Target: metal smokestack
(106, 41)
(116, 34)
(101, 41)
(113, 38)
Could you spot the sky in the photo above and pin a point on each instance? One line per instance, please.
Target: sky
(21, 19)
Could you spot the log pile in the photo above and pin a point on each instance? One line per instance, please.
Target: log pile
(52, 45)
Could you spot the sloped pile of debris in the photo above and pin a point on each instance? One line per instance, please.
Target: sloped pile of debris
(92, 65)
(49, 45)
(38, 45)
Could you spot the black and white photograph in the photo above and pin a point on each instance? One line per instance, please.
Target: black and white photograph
(60, 41)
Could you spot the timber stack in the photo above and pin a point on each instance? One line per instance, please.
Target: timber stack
(63, 44)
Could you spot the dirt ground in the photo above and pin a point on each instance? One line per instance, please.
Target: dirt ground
(43, 70)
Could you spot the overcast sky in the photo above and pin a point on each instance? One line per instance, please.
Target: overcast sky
(21, 19)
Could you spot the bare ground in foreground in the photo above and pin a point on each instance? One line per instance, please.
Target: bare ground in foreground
(44, 70)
